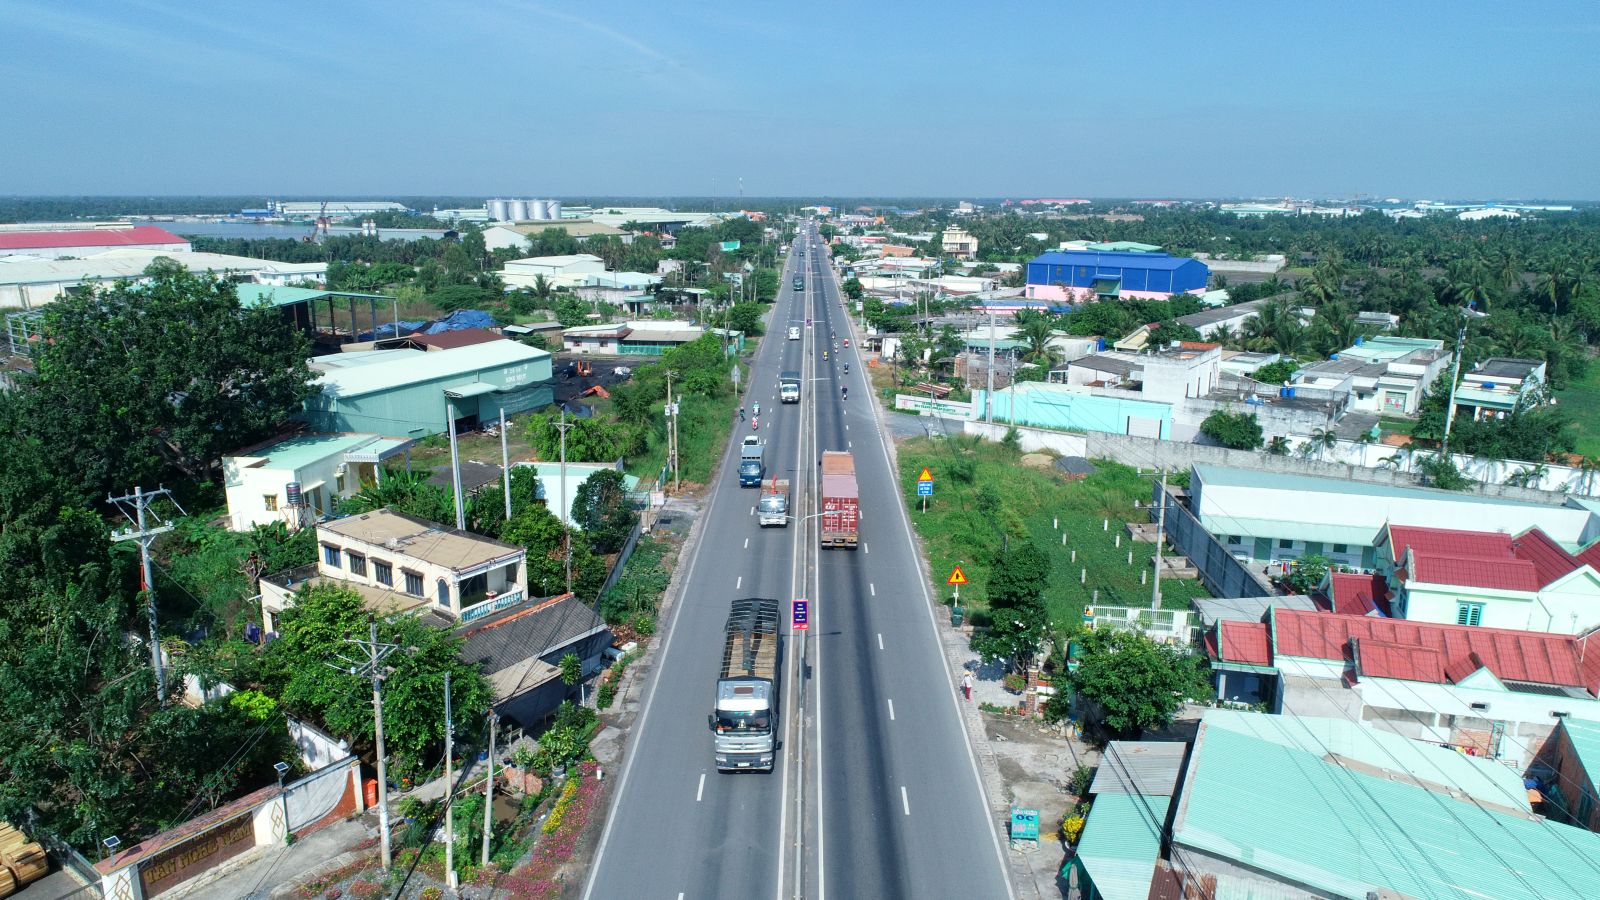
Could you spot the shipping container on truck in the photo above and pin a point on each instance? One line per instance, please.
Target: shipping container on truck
(744, 719)
(841, 500)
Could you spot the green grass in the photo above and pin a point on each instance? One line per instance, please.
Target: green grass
(1581, 402)
(960, 528)
(703, 428)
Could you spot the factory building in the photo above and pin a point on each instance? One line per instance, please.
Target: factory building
(53, 244)
(1080, 275)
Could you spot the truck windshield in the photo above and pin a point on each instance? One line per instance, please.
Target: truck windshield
(752, 722)
(773, 503)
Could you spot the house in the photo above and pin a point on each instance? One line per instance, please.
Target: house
(1489, 691)
(1491, 579)
(1388, 375)
(1169, 375)
(558, 495)
(1080, 275)
(557, 270)
(958, 243)
(643, 337)
(400, 564)
(55, 244)
(1243, 364)
(1129, 816)
(1497, 386)
(520, 651)
(1321, 806)
(1338, 519)
(1232, 318)
(1381, 321)
(1571, 774)
(299, 480)
(1073, 408)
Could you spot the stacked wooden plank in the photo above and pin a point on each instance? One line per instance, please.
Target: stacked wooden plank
(22, 861)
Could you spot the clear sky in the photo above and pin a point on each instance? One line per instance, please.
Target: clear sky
(978, 98)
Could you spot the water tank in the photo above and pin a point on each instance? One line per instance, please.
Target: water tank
(540, 209)
(497, 210)
(291, 492)
(555, 208)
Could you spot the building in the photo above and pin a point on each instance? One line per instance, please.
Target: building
(1571, 774)
(558, 494)
(653, 217)
(1129, 817)
(1491, 579)
(519, 235)
(1073, 408)
(1339, 519)
(1080, 275)
(301, 479)
(444, 340)
(338, 209)
(520, 651)
(1478, 215)
(1233, 318)
(410, 393)
(404, 565)
(1490, 691)
(53, 244)
(958, 243)
(1498, 385)
(644, 337)
(1243, 364)
(1170, 375)
(1317, 806)
(558, 270)
(1388, 375)
(27, 282)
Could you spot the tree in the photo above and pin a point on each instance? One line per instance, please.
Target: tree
(571, 669)
(1037, 334)
(405, 492)
(1308, 573)
(539, 531)
(745, 317)
(1134, 683)
(136, 382)
(852, 288)
(1021, 622)
(601, 509)
(1235, 430)
(1278, 446)
(1276, 373)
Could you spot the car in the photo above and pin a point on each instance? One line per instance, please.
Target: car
(622, 371)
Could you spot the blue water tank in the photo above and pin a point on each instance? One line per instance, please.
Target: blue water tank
(1360, 339)
(1100, 345)
(1332, 356)
(1283, 392)
(1291, 393)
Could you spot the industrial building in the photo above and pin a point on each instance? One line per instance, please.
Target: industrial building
(522, 210)
(55, 244)
(410, 393)
(1080, 275)
(558, 270)
(27, 282)
(310, 209)
(507, 235)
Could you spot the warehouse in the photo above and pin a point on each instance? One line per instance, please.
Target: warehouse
(51, 244)
(1080, 275)
(406, 393)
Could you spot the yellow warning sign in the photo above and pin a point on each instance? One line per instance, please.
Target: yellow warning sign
(957, 577)
(926, 475)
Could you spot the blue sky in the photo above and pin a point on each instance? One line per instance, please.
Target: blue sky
(1413, 99)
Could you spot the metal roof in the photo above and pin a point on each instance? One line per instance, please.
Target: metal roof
(1585, 737)
(1139, 767)
(1121, 842)
(270, 295)
(1161, 261)
(1220, 314)
(1346, 810)
(139, 235)
(418, 366)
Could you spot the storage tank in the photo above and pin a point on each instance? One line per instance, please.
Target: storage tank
(540, 210)
(520, 211)
(497, 210)
(555, 208)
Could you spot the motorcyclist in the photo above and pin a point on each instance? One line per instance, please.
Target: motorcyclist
(757, 408)
(847, 368)
(741, 414)
(844, 391)
(824, 356)
(755, 423)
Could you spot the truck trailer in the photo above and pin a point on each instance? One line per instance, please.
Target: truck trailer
(744, 721)
(841, 500)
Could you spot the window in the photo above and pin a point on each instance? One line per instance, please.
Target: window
(330, 554)
(1480, 706)
(413, 582)
(1469, 613)
(358, 564)
(383, 572)
(1341, 548)
(1235, 539)
(270, 501)
(1285, 544)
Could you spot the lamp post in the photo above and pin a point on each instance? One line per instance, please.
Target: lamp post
(282, 768)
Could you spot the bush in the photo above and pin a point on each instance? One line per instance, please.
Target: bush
(607, 694)
(1234, 430)
(1276, 373)
(1072, 828)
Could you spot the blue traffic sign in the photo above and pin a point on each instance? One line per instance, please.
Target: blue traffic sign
(924, 489)
(802, 615)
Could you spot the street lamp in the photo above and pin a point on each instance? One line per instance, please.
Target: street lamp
(1467, 315)
(282, 768)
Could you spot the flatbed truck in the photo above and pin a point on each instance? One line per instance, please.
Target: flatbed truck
(744, 717)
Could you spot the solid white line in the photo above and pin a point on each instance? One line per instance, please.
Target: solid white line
(699, 792)
(891, 716)
(905, 802)
(880, 640)
(873, 588)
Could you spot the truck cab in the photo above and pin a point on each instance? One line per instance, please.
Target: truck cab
(773, 508)
(751, 464)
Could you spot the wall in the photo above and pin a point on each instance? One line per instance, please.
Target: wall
(1222, 575)
(1033, 440)
(1570, 605)
(1056, 406)
(943, 409)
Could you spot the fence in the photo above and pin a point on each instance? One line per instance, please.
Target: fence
(945, 409)
(1223, 575)
(1171, 626)
(1033, 440)
(622, 560)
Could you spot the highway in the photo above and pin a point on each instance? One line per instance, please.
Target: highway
(877, 793)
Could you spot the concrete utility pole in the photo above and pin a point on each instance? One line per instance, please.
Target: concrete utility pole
(372, 667)
(988, 397)
(450, 880)
(505, 462)
(455, 466)
(1161, 536)
(562, 426)
(139, 501)
(672, 436)
(1467, 315)
(488, 790)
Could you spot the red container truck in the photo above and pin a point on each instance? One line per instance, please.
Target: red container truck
(841, 501)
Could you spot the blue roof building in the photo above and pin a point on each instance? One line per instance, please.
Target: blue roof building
(1076, 275)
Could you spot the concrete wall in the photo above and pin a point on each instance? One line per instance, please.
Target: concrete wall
(1033, 440)
(1223, 575)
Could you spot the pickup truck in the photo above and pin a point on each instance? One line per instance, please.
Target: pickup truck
(774, 506)
(751, 466)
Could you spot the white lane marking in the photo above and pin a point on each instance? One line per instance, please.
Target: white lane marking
(891, 716)
(850, 445)
(874, 589)
(880, 640)
(699, 792)
(865, 548)
(905, 802)
(739, 584)
(747, 543)
(752, 510)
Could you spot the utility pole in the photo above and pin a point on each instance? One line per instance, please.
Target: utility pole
(988, 397)
(372, 667)
(505, 464)
(455, 466)
(562, 426)
(488, 790)
(1467, 315)
(450, 880)
(1161, 536)
(140, 501)
(672, 436)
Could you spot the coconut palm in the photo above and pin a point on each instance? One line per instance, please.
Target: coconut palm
(1473, 285)
(1224, 335)
(1589, 465)
(1323, 440)
(1037, 334)
(1528, 476)
(1278, 446)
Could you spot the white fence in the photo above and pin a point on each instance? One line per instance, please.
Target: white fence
(1516, 473)
(1171, 626)
(1033, 440)
(944, 409)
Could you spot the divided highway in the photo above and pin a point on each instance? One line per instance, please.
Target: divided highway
(876, 793)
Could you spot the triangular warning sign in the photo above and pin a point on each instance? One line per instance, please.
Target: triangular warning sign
(957, 577)
(926, 475)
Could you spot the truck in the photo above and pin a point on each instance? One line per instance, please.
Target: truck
(794, 332)
(744, 719)
(841, 501)
(751, 465)
(789, 387)
(799, 283)
(774, 506)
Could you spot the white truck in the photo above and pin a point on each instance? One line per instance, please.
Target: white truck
(744, 719)
(773, 508)
(794, 332)
(789, 387)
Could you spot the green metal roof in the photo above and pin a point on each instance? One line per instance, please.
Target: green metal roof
(1120, 844)
(1492, 399)
(1585, 738)
(1338, 807)
(268, 295)
(1229, 477)
(1124, 247)
(304, 450)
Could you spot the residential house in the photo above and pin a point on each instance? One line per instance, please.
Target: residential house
(958, 243)
(520, 651)
(643, 337)
(1170, 375)
(1498, 385)
(1242, 364)
(402, 564)
(1382, 375)
(1570, 770)
(299, 480)
(1233, 318)
(558, 494)
(1129, 816)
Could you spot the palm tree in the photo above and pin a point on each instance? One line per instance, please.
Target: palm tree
(1224, 335)
(1473, 285)
(1278, 446)
(1589, 465)
(1528, 476)
(542, 288)
(1037, 333)
(1323, 439)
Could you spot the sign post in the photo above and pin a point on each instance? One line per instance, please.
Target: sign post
(957, 578)
(801, 618)
(925, 487)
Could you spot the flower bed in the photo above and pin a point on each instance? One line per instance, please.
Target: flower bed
(566, 824)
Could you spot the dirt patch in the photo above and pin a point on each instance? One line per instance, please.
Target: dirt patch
(1037, 460)
(1036, 762)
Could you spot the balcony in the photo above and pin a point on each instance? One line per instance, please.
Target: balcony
(491, 605)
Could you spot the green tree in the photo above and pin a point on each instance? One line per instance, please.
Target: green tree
(405, 492)
(1020, 621)
(852, 288)
(1133, 683)
(1235, 430)
(1307, 574)
(571, 669)
(1276, 373)
(542, 534)
(601, 509)
(745, 317)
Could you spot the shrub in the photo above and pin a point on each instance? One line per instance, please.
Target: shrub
(366, 890)
(1236, 431)
(1072, 828)
(607, 694)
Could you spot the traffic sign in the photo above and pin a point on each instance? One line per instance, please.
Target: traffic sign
(957, 577)
(802, 615)
(926, 475)
(924, 489)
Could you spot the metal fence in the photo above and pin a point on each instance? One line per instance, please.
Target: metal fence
(1223, 575)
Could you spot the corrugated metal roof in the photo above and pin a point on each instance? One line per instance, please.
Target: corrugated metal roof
(1139, 767)
(1245, 642)
(1339, 807)
(138, 235)
(389, 374)
(1159, 261)
(1585, 738)
(1120, 844)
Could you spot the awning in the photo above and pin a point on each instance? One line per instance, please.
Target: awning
(378, 450)
(475, 389)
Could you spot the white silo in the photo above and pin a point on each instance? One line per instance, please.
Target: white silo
(555, 208)
(520, 210)
(497, 210)
(538, 209)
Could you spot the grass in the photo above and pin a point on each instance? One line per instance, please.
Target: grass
(703, 428)
(433, 451)
(964, 524)
(1396, 426)
(1581, 401)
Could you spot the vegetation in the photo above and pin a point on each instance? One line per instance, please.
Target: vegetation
(1276, 373)
(602, 510)
(1132, 683)
(1019, 620)
(1235, 430)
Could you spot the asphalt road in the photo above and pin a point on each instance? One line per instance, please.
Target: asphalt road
(877, 794)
